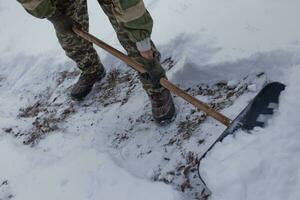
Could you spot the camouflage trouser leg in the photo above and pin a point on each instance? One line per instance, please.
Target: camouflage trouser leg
(76, 48)
(128, 44)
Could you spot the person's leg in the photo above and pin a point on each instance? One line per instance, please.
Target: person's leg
(127, 43)
(80, 50)
(162, 103)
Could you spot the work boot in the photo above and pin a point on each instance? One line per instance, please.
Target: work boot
(163, 109)
(85, 84)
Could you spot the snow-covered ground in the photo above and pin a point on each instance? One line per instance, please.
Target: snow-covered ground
(108, 147)
(71, 170)
(264, 164)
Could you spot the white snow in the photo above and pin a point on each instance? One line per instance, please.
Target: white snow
(105, 152)
(252, 87)
(70, 170)
(232, 84)
(264, 164)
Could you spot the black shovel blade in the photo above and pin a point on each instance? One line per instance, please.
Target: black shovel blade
(256, 114)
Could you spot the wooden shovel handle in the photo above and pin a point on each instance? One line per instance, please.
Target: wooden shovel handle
(164, 82)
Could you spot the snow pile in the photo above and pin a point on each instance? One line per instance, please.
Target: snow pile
(265, 164)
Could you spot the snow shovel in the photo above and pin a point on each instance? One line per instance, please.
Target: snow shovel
(254, 115)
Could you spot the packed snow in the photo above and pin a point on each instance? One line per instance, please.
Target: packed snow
(107, 147)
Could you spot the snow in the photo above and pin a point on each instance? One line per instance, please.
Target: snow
(264, 164)
(232, 83)
(70, 171)
(107, 146)
(252, 88)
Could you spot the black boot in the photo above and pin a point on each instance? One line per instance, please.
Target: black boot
(85, 84)
(163, 109)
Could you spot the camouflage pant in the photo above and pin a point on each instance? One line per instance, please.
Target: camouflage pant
(76, 48)
(82, 52)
